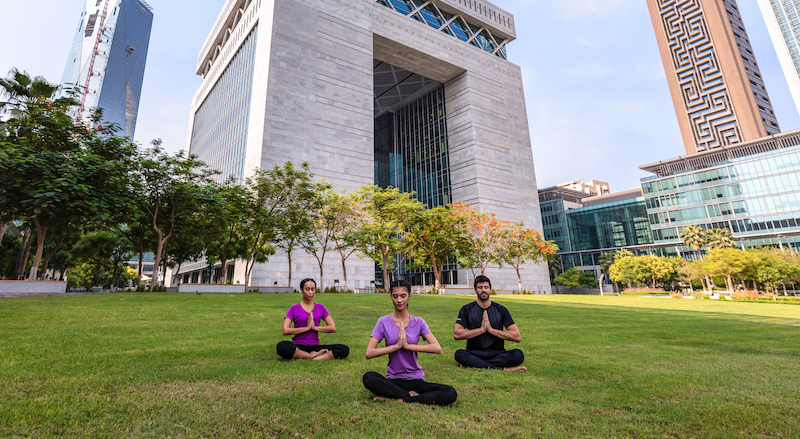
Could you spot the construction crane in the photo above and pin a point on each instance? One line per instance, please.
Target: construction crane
(100, 32)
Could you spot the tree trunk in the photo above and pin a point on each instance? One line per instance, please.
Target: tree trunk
(53, 252)
(175, 275)
(344, 273)
(41, 235)
(519, 279)
(289, 254)
(139, 268)
(223, 271)
(385, 274)
(2, 232)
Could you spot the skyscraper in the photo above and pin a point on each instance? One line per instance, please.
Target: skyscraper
(716, 86)
(417, 95)
(107, 59)
(783, 22)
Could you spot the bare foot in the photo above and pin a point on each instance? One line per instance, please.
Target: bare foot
(383, 399)
(324, 354)
(412, 393)
(516, 369)
(460, 365)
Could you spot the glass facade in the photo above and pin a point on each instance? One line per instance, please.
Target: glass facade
(787, 13)
(554, 223)
(118, 68)
(757, 197)
(411, 154)
(611, 225)
(219, 132)
(454, 25)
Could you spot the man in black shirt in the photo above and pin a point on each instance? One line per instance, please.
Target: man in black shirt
(481, 323)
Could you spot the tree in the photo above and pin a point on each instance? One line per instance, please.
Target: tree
(433, 236)
(605, 260)
(280, 198)
(483, 236)
(725, 262)
(574, 278)
(555, 266)
(105, 252)
(386, 213)
(719, 238)
(657, 268)
(59, 174)
(222, 218)
(521, 245)
(625, 270)
(347, 221)
(168, 188)
(693, 237)
(325, 223)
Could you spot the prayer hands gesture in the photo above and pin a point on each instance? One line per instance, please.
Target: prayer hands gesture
(402, 339)
(310, 323)
(485, 324)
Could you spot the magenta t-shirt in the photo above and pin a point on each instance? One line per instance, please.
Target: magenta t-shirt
(300, 318)
(403, 363)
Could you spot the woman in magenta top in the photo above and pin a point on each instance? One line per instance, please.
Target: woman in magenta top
(404, 379)
(307, 316)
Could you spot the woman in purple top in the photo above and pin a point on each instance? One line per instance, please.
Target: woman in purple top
(307, 317)
(404, 379)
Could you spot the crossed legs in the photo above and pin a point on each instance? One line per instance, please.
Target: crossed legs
(289, 351)
(506, 360)
(418, 391)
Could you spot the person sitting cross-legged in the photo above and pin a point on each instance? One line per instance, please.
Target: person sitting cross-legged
(307, 317)
(481, 323)
(404, 381)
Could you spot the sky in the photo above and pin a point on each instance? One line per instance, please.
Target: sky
(597, 97)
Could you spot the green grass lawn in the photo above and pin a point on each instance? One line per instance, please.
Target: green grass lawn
(183, 366)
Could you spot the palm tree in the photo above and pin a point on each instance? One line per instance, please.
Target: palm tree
(20, 89)
(555, 266)
(694, 237)
(606, 260)
(622, 253)
(719, 238)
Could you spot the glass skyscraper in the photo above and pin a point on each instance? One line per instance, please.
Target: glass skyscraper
(783, 22)
(107, 59)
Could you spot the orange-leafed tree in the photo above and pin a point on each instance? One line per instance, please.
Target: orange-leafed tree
(521, 245)
(483, 237)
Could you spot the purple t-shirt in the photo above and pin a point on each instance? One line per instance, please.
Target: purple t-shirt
(300, 318)
(403, 363)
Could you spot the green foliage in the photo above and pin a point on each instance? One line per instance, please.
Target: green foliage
(386, 214)
(574, 278)
(58, 174)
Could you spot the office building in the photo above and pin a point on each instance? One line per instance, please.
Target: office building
(751, 188)
(719, 96)
(107, 59)
(783, 22)
(591, 187)
(417, 95)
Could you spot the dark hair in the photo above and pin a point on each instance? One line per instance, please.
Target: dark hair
(303, 282)
(400, 283)
(481, 279)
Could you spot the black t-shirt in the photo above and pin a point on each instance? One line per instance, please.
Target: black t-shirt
(471, 316)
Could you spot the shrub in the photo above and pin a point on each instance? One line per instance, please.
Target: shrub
(140, 288)
(699, 295)
(676, 295)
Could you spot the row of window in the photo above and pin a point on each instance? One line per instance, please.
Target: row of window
(453, 25)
